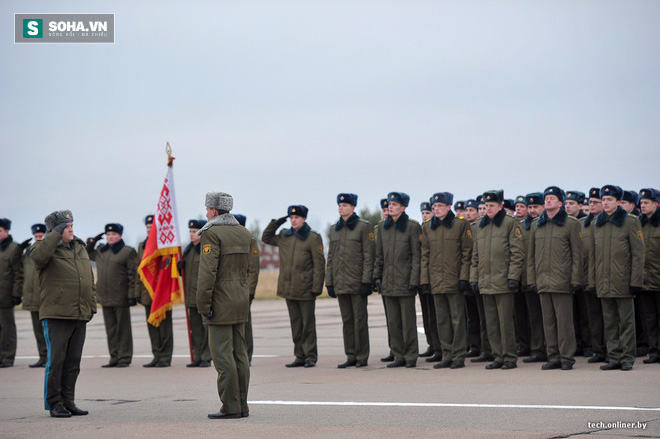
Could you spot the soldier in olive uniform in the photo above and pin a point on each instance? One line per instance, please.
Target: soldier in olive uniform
(302, 270)
(434, 350)
(554, 270)
(481, 206)
(476, 320)
(190, 267)
(253, 279)
(616, 271)
(223, 299)
(384, 211)
(396, 275)
(116, 265)
(594, 308)
(31, 296)
(11, 284)
(650, 296)
(67, 303)
(459, 209)
(497, 264)
(348, 277)
(161, 336)
(445, 272)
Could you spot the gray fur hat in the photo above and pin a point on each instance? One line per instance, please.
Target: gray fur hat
(219, 201)
(58, 217)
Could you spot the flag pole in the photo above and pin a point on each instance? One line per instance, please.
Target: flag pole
(170, 162)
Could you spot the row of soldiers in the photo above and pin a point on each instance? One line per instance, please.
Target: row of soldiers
(483, 274)
(118, 287)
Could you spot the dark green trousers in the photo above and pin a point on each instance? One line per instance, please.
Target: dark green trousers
(485, 344)
(501, 330)
(355, 325)
(65, 340)
(595, 315)
(229, 352)
(7, 335)
(387, 325)
(650, 301)
(117, 321)
(472, 316)
(39, 336)
(558, 326)
(402, 321)
(535, 316)
(619, 326)
(430, 322)
(581, 320)
(199, 333)
(161, 337)
(522, 324)
(303, 328)
(450, 315)
(249, 339)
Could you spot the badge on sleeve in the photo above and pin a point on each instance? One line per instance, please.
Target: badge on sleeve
(371, 236)
(206, 249)
(518, 231)
(639, 233)
(255, 251)
(421, 237)
(469, 234)
(321, 248)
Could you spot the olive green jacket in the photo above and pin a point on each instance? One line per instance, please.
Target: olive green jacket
(253, 269)
(222, 282)
(116, 268)
(554, 260)
(587, 225)
(302, 261)
(191, 256)
(525, 231)
(497, 253)
(398, 256)
(616, 260)
(141, 291)
(651, 231)
(66, 280)
(31, 297)
(11, 273)
(446, 253)
(351, 255)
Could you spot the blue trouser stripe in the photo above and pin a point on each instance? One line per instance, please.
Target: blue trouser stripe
(44, 323)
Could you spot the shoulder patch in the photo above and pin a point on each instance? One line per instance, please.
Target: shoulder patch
(469, 233)
(320, 249)
(206, 249)
(371, 236)
(255, 251)
(580, 235)
(426, 221)
(421, 237)
(518, 232)
(364, 221)
(641, 236)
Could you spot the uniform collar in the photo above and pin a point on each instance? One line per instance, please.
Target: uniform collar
(448, 221)
(617, 218)
(497, 219)
(559, 218)
(351, 222)
(401, 224)
(116, 247)
(654, 220)
(301, 234)
(4, 244)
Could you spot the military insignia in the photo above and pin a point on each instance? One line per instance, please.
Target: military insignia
(488, 197)
(293, 210)
(206, 249)
(551, 190)
(320, 248)
(568, 194)
(371, 236)
(436, 197)
(643, 193)
(607, 189)
(421, 237)
(341, 198)
(110, 228)
(639, 233)
(68, 216)
(469, 233)
(255, 251)
(392, 196)
(518, 231)
(580, 235)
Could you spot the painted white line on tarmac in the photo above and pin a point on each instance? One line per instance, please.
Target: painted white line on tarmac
(433, 404)
(90, 357)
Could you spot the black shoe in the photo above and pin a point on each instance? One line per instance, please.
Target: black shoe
(123, 364)
(295, 363)
(457, 364)
(39, 363)
(6, 364)
(411, 364)
(152, 363)
(205, 363)
(195, 363)
(472, 353)
(442, 365)
(610, 366)
(59, 412)
(159, 364)
(110, 365)
(347, 363)
(494, 365)
(551, 365)
(596, 359)
(509, 365)
(434, 358)
(75, 411)
(588, 353)
(245, 414)
(220, 415)
(361, 363)
(427, 353)
(310, 363)
(652, 359)
(388, 358)
(626, 366)
(397, 363)
(482, 358)
(533, 359)
(566, 365)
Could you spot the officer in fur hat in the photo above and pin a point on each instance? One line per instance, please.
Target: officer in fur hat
(11, 284)
(477, 336)
(223, 300)
(650, 296)
(434, 350)
(302, 271)
(67, 303)
(116, 265)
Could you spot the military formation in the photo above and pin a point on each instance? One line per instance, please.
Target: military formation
(547, 276)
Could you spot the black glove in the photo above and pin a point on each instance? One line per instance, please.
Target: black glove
(209, 315)
(474, 287)
(463, 286)
(316, 294)
(513, 284)
(59, 228)
(92, 316)
(282, 220)
(25, 244)
(181, 265)
(575, 288)
(377, 285)
(635, 290)
(365, 290)
(138, 300)
(413, 288)
(592, 290)
(426, 288)
(331, 291)
(15, 301)
(533, 288)
(251, 298)
(132, 302)
(91, 242)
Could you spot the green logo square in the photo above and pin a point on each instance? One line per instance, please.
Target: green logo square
(33, 28)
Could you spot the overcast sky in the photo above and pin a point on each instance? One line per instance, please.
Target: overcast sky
(292, 102)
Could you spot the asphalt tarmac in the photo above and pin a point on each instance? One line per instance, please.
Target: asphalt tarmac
(326, 402)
